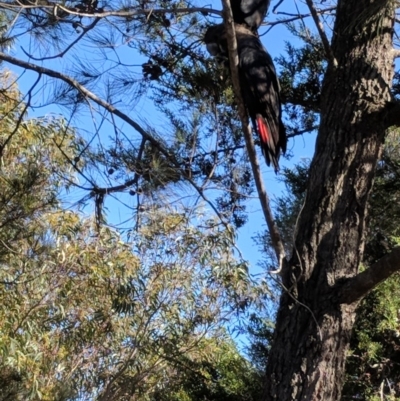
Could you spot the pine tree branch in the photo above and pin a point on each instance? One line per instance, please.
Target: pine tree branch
(262, 193)
(357, 287)
(85, 92)
(85, 30)
(111, 109)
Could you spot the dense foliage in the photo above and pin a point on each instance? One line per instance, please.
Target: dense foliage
(89, 313)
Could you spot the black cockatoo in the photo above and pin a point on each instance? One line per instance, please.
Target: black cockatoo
(259, 86)
(249, 12)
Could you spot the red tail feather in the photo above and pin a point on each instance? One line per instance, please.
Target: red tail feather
(263, 130)
(268, 147)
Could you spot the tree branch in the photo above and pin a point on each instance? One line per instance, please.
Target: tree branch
(295, 17)
(117, 13)
(358, 287)
(85, 30)
(110, 108)
(301, 132)
(262, 193)
(396, 53)
(322, 34)
(90, 95)
(297, 100)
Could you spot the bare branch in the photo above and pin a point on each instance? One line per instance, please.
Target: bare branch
(322, 33)
(358, 287)
(262, 193)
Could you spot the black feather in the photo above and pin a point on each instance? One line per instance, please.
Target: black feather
(249, 12)
(259, 86)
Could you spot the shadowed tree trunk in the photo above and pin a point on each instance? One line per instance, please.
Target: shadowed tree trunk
(323, 287)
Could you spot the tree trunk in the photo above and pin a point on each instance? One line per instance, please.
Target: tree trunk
(314, 324)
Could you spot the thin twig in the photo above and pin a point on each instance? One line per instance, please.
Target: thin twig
(303, 131)
(295, 17)
(288, 291)
(62, 54)
(20, 118)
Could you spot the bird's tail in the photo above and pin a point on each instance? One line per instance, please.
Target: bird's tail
(270, 149)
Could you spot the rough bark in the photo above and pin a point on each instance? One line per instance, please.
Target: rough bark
(307, 357)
